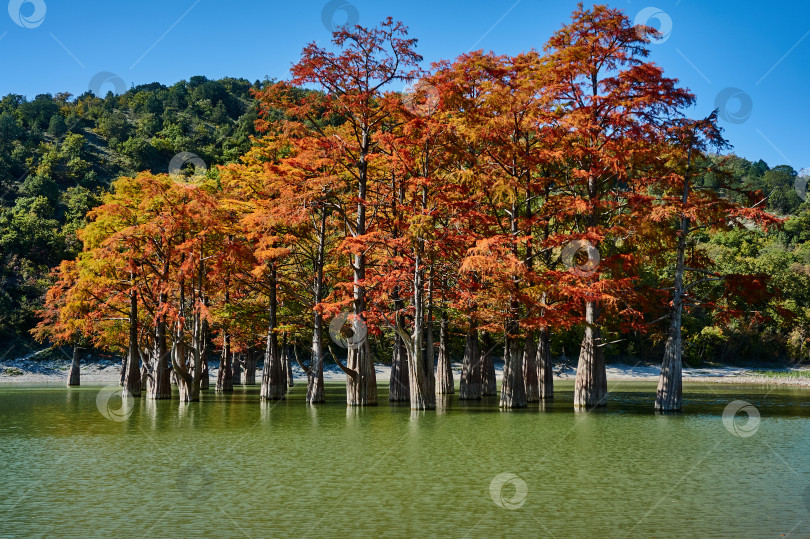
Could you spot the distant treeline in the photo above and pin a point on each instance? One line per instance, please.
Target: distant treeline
(59, 153)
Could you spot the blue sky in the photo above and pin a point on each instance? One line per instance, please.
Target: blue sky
(750, 57)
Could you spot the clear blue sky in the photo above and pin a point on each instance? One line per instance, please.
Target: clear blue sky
(762, 49)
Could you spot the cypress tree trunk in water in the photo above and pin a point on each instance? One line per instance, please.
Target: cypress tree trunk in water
(205, 381)
(470, 385)
(398, 385)
(430, 347)
(545, 376)
(145, 379)
(225, 374)
(590, 388)
(670, 384)
(236, 367)
(287, 364)
(315, 374)
(530, 370)
(315, 393)
(422, 392)
(132, 380)
(444, 370)
(274, 384)
(123, 376)
(489, 380)
(160, 386)
(284, 371)
(250, 367)
(420, 347)
(73, 376)
(361, 389)
(185, 385)
(513, 390)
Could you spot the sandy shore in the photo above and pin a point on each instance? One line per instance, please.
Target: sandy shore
(30, 370)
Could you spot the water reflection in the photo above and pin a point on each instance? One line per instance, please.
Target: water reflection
(186, 412)
(443, 404)
(312, 413)
(192, 462)
(149, 413)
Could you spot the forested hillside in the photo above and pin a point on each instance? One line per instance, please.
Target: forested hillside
(58, 154)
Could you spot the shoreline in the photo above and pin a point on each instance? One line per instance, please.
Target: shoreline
(25, 371)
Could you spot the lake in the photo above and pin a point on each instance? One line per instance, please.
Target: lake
(231, 465)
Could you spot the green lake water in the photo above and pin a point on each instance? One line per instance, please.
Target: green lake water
(234, 466)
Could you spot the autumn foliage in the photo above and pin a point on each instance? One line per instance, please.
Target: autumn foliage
(513, 196)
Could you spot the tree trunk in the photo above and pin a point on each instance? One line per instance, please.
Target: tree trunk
(513, 390)
(489, 380)
(188, 362)
(74, 375)
(530, 370)
(236, 367)
(225, 373)
(470, 385)
(188, 391)
(286, 363)
(132, 376)
(160, 386)
(590, 388)
(274, 384)
(398, 383)
(545, 376)
(398, 386)
(315, 388)
(124, 361)
(145, 378)
(430, 347)
(190, 374)
(444, 370)
(250, 366)
(361, 389)
(420, 346)
(315, 393)
(205, 375)
(670, 384)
